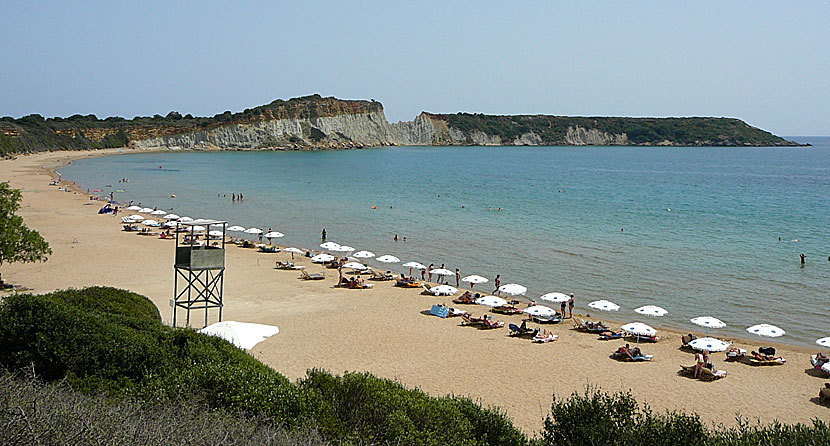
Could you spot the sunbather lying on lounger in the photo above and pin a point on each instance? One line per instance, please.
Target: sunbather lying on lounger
(544, 337)
(610, 334)
(758, 358)
(591, 325)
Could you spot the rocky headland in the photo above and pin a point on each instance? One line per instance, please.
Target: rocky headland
(314, 122)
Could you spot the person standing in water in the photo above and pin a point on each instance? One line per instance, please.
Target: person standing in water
(323, 235)
(457, 277)
(497, 281)
(802, 258)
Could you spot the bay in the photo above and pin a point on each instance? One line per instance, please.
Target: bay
(692, 229)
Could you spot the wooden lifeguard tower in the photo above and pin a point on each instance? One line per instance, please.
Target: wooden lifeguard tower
(199, 267)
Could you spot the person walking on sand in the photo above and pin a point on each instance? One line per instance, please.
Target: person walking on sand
(457, 277)
(570, 307)
(497, 281)
(423, 273)
(323, 235)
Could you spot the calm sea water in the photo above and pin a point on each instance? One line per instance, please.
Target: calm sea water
(701, 225)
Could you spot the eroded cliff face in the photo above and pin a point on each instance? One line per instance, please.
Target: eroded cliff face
(592, 137)
(314, 122)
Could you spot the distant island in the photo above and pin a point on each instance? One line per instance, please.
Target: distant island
(314, 122)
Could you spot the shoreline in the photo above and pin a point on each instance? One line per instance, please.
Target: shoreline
(597, 315)
(330, 328)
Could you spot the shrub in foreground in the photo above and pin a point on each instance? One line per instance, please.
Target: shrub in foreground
(35, 412)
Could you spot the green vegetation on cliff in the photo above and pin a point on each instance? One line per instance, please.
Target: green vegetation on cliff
(34, 133)
(553, 130)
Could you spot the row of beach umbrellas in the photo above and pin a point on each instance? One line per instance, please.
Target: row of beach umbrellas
(511, 289)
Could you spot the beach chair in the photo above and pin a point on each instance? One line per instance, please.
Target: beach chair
(268, 248)
(609, 335)
(465, 299)
(506, 309)
(824, 394)
(288, 266)
(705, 373)
(427, 289)
(544, 337)
(518, 332)
(771, 361)
(735, 354)
(377, 275)
(552, 319)
(685, 340)
(489, 324)
(469, 320)
(306, 276)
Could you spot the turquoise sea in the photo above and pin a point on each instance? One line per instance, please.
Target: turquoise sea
(695, 230)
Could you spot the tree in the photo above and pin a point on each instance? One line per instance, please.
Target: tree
(17, 242)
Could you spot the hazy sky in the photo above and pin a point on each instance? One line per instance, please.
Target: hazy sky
(765, 62)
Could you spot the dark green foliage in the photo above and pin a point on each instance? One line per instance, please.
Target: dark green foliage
(35, 412)
(596, 418)
(18, 243)
(108, 300)
(102, 339)
(361, 406)
(678, 131)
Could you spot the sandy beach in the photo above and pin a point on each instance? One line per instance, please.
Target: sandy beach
(384, 330)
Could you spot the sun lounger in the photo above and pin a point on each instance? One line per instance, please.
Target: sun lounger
(489, 324)
(553, 319)
(609, 335)
(705, 373)
(377, 275)
(773, 361)
(468, 319)
(305, 275)
(590, 326)
(427, 289)
(288, 266)
(544, 337)
(268, 248)
(685, 340)
(818, 360)
(455, 312)
(735, 354)
(506, 309)
(824, 394)
(517, 331)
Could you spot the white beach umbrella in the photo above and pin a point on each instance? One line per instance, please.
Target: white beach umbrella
(363, 254)
(474, 279)
(639, 329)
(555, 297)
(253, 231)
(604, 305)
(711, 344)
(512, 289)
(651, 310)
(770, 331)
(171, 217)
(442, 272)
(146, 210)
(708, 322)
(443, 290)
(150, 223)
(274, 234)
(540, 310)
(215, 233)
(415, 265)
(824, 342)
(388, 259)
(134, 208)
(158, 212)
(343, 248)
(322, 258)
(236, 228)
(491, 301)
(355, 265)
(293, 251)
(135, 217)
(241, 334)
(185, 219)
(197, 228)
(826, 367)
(170, 224)
(330, 246)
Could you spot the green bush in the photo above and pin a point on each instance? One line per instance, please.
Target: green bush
(108, 300)
(597, 418)
(361, 406)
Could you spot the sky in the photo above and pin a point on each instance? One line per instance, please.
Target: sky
(767, 63)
